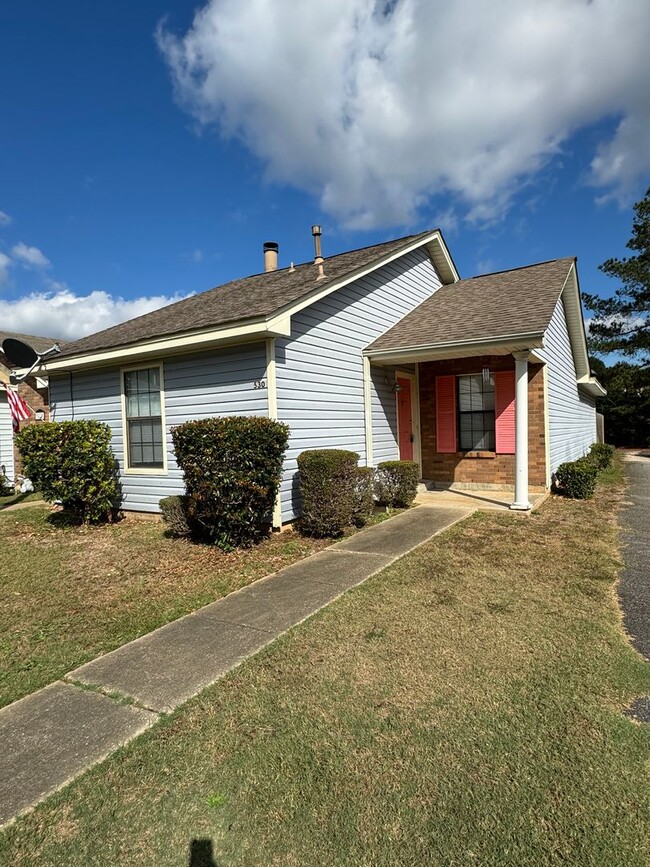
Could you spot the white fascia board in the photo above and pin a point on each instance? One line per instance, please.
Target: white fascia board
(258, 330)
(323, 291)
(570, 297)
(482, 346)
(591, 385)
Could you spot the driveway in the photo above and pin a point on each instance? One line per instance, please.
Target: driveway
(634, 587)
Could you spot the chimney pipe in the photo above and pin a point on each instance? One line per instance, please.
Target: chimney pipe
(270, 256)
(318, 259)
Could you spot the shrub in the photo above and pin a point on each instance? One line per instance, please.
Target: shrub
(396, 482)
(71, 461)
(174, 513)
(577, 479)
(232, 468)
(328, 480)
(601, 454)
(364, 496)
(6, 489)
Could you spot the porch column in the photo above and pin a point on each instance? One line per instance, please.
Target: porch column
(521, 501)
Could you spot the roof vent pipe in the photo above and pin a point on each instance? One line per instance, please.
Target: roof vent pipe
(318, 259)
(270, 256)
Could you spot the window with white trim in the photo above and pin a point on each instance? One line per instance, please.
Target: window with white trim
(144, 428)
(476, 413)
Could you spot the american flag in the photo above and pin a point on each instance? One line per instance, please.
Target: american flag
(18, 408)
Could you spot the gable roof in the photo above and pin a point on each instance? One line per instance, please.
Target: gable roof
(40, 344)
(493, 306)
(248, 299)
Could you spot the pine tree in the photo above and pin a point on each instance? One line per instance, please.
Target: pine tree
(622, 323)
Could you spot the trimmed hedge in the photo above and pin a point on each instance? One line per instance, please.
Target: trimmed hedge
(601, 454)
(328, 485)
(577, 479)
(232, 468)
(364, 496)
(174, 513)
(72, 462)
(396, 482)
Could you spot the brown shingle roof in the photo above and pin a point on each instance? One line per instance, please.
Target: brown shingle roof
(258, 296)
(480, 308)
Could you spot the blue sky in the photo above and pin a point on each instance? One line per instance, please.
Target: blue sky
(141, 161)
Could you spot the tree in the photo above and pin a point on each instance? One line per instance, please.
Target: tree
(626, 406)
(622, 322)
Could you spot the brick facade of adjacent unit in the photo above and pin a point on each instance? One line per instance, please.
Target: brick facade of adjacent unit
(35, 399)
(480, 468)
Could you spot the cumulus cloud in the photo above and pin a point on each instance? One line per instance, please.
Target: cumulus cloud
(5, 219)
(32, 257)
(65, 315)
(5, 263)
(376, 105)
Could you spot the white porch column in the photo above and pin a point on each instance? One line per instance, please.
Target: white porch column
(521, 432)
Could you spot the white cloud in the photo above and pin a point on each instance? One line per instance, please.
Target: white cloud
(63, 314)
(30, 256)
(5, 263)
(375, 106)
(5, 219)
(196, 256)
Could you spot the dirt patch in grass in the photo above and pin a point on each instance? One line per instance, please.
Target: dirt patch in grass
(69, 593)
(461, 708)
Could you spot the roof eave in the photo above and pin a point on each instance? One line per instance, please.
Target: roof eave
(244, 332)
(494, 345)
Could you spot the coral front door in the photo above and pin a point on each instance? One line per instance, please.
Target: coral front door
(405, 419)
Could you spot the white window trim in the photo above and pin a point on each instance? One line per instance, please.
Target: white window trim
(143, 471)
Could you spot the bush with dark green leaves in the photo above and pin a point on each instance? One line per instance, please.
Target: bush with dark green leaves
(577, 479)
(6, 489)
(601, 454)
(364, 496)
(174, 513)
(72, 462)
(396, 482)
(328, 481)
(232, 468)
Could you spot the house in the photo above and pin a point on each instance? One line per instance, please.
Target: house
(485, 382)
(33, 390)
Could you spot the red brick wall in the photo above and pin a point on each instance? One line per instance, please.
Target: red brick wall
(480, 467)
(35, 399)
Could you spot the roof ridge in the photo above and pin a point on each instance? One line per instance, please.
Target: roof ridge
(521, 267)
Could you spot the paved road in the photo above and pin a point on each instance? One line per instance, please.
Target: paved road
(634, 587)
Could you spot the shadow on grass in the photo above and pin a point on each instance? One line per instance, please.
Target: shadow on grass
(202, 854)
(14, 500)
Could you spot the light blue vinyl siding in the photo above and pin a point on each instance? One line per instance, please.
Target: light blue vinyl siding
(571, 414)
(6, 437)
(319, 368)
(196, 386)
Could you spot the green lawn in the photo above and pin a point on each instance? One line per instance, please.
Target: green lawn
(12, 499)
(461, 708)
(69, 593)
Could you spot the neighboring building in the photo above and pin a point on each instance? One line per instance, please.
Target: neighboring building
(382, 350)
(34, 391)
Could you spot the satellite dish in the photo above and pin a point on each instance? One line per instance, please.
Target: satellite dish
(19, 353)
(24, 356)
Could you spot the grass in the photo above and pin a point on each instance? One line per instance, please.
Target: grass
(461, 708)
(12, 499)
(68, 594)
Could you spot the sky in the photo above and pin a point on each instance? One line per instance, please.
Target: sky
(147, 150)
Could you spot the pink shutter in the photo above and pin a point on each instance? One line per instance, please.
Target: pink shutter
(446, 413)
(504, 411)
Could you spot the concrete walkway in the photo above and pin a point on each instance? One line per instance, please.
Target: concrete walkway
(634, 586)
(53, 735)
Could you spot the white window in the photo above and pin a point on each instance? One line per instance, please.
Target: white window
(476, 413)
(144, 429)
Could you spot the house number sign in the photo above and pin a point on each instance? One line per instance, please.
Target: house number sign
(259, 383)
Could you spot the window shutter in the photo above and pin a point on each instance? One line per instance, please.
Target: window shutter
(446, 414)
(504, 411)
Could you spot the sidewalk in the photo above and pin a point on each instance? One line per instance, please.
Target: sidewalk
(53, 735)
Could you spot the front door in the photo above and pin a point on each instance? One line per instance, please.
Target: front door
(405, 419)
